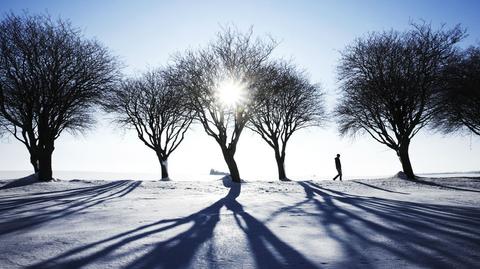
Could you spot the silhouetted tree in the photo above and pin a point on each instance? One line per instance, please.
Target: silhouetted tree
(3, 125)
(229, 66)
(459, 100)
(387, 83)
(50, 76)
(159, 113)
(287, 102)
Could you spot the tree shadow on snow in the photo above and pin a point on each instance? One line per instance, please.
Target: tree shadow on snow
(179, 251)
(426, 181)
(22, 212)
(423, 235)
(20, 182)
(365, 231)
(378, 188)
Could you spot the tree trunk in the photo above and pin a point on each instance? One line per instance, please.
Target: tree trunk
(280, 165)
(164, 165)
(34, 161)
(33, 150)
(45, 163)
(405, 160)
(228, 155)
(164, 169)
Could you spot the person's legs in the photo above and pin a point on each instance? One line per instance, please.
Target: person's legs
(339, 170)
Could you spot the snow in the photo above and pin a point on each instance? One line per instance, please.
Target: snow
(363, 223)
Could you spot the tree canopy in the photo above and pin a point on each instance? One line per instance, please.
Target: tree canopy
(50, 79)
(228, 68)
(388, 80)
(286, 103)
(159, 112)
(458, 102)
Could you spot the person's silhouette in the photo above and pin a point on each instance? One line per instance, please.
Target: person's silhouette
(338, 165)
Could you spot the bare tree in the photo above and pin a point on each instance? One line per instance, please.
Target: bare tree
(3, 125)
(159, 113)
(387, 83)
(458, 106)
(222, 80)
(50, 78)
(287, 103)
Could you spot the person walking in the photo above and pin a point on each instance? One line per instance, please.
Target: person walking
(338, 165)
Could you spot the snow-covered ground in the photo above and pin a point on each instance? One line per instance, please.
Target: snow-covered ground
(110, 176)
(365, 223)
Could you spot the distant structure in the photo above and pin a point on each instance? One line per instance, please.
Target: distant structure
(217, 173)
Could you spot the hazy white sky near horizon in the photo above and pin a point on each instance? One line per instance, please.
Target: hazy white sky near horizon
(145, 33)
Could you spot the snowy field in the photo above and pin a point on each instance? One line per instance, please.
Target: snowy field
(365, 223)
(111, 176)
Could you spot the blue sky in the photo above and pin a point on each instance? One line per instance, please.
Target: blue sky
(146, 33)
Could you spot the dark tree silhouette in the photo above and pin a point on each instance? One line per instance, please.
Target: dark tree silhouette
(287, 103)
(158, 112)
(50, 78)
(231, 65)
(387, 83)
(459, 100)
(3, 125)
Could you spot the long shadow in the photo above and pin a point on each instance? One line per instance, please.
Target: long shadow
(20, 213)
(180, 250)
(20, 182)
(424, 181)
(43, 193)
(268, 249)
(378, 188)
(474, 178)
(9, 202)
(423, 235)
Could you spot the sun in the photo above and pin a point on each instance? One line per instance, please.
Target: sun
(230, 93)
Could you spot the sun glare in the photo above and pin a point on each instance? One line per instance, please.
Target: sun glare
(230, 93)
